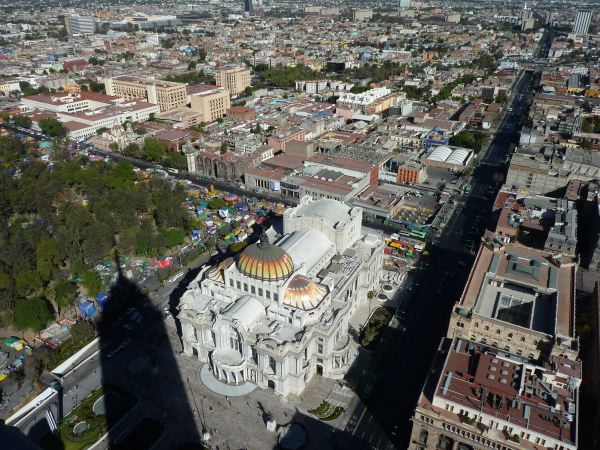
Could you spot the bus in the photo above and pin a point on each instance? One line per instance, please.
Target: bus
(418, 232)
(172, 170)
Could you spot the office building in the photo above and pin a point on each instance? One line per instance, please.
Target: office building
(212, 102)
(278, 314)
(76, 24)
(166, 94)
(582, 22)
(234, 79)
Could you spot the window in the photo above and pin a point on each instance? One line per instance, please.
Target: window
(245, 287)
(253, 289)
(230, 282)
(239, 285)
(320, 348)
(275, 296)
(272, 364)
(254, 355)
(260, 292)
(268, 294)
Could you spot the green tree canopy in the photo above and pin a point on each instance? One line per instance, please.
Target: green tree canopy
(65, 293)
(22, 121)
(32, 313)
(154, 150)
(52, 127)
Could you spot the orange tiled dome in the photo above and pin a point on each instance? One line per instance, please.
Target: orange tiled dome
(265, 262)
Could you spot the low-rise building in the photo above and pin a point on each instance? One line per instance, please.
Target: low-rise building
(520, 300)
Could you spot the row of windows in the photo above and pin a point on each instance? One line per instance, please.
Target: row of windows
(474, 437)
(254, 290)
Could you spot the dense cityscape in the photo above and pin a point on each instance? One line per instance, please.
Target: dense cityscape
(299, 225)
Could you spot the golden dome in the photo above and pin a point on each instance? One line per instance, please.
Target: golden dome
(303, 293)
(265, 262)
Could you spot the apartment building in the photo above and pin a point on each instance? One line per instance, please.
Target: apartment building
(411, 172)
(166, 94)
(373, 101)
(234, 79)
(212, 102)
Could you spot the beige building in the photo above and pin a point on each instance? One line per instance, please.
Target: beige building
(167, 95)
(234, 79)
(519, 300)
(212, 103)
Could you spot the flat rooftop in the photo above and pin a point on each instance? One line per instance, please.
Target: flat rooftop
(524, 287)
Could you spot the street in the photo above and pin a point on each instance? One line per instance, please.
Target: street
(400, 376)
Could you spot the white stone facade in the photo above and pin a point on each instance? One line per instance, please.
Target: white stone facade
(278, 314)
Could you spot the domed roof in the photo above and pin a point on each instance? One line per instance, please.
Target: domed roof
(303, 293)
(216, 273)
(266, 262)
(330, 210)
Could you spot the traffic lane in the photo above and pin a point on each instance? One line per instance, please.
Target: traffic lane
(398, 389)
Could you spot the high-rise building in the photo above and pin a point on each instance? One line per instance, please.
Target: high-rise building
(166, 94)
(582, 22)
(248, 7)
(80, 24)
(234, 79)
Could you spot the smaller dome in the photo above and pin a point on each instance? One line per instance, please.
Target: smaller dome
(303, 293)
(216, 273)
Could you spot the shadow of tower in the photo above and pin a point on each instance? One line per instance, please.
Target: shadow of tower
(138, 360)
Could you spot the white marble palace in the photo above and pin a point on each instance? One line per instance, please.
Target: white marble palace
(278, 313)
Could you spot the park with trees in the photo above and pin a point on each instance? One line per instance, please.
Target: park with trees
(61, 223)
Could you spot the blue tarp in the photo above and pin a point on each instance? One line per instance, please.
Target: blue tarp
(101, 299)
(88, 309)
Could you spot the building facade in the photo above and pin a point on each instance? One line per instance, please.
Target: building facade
(76, 24)
(278, 314)
(234, 79)
(167, 95)
(211, 104)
